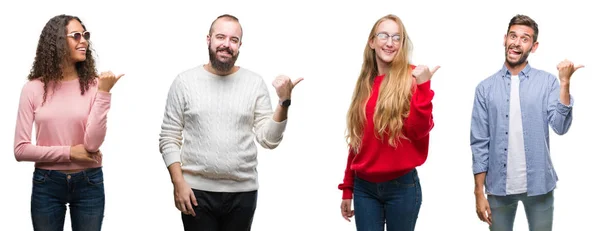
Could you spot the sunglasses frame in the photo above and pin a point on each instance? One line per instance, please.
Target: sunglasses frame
(78, 35)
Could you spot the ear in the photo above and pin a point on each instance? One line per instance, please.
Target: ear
(207, 39)
(504, 44)
(534, 47)
(371, 44)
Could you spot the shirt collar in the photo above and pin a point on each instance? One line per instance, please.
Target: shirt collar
(524, 73)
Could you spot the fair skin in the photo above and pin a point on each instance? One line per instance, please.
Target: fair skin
(385, 51)
(518, 44)
(77, 49)
(226, 36)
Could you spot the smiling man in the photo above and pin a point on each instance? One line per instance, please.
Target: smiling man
(220, 109)
(512, 112)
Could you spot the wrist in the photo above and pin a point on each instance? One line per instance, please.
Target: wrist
(479, 192)
(285, 102)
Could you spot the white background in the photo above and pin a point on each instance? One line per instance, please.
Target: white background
(322, 41)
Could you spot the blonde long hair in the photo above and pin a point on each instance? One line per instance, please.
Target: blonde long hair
(395, 92)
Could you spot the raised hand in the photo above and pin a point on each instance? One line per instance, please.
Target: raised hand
(423, 74)
(284, 85)
(566, 69)
(107, 80)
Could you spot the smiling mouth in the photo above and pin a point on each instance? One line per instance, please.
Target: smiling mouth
(226, 53)
(389, 52)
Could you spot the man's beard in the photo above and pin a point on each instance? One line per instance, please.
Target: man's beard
(521, 60)
(217, 64)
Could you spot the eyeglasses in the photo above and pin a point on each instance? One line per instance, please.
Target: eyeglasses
(384, 37)
(77, 35)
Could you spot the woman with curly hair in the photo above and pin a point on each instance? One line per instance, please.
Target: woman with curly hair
(68, 103)
(388, 127)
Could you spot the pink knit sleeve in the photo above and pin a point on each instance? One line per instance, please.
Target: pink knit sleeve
(95, 129)
(24, 149)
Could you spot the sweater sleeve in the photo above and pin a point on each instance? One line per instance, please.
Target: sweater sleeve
(269, 133)
(171, 135)
(23, 148)
(420, 118)
(95, 129)
(347, 186)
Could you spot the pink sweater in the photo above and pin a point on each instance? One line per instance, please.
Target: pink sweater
(66, 119)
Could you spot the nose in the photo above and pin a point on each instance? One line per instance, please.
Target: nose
(517, 42)
(389, 42)
(226, 43)
(83, 40)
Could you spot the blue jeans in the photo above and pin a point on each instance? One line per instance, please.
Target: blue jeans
(395, 203)
(83, 191)
(538, 209)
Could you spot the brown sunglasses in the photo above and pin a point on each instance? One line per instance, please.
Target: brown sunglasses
(77, 35)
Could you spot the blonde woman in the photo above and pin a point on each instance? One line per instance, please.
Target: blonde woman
(388, 122)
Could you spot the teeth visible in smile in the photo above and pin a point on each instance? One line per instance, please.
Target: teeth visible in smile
(81, 49)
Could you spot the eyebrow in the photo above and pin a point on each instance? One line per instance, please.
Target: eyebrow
(526, 34)
(226, 36)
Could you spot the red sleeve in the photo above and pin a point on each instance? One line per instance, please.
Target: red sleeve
(420, 118)
(347, 186)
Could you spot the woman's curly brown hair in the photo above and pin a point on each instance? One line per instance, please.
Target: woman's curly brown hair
(51, 53)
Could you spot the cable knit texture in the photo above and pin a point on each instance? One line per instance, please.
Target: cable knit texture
(219, 117)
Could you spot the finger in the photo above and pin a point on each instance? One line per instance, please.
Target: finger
(414, 73)
(489, 216)
(184, 209)
(345, 216)
(297, 81)
(193, 198)
(189, 208)
(480, 216)
(343, 210)
(579, 66)
(89, 157)
(181, 207)
(119, 77)
(435, 69)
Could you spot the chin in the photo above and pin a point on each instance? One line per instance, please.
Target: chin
(224, 59)
(387, 60)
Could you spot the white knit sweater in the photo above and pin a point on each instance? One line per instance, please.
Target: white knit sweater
(210, 124)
